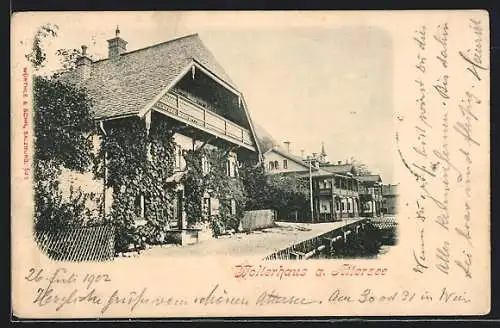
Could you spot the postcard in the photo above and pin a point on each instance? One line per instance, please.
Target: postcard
(250, 164)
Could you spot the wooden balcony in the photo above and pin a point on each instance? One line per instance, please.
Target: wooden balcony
(345, 192)
(186, 111)
(336, 191)
(324, 192)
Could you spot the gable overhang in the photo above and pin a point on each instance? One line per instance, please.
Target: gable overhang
(146, 109)
(213, 76)
(252, 128)
(194, 64)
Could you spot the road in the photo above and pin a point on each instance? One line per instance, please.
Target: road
(257, 244)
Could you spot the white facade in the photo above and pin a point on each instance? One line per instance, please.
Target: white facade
(276, 163)
(88, 184)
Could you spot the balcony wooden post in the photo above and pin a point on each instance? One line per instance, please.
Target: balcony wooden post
(178, 103)
(204, 117)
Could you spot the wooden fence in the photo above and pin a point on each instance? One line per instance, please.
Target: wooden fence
(258, 219)
(324, 242)
(384, 222)
(81, 244)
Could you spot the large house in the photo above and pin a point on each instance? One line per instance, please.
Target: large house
(178, 82)
(341, 184)
(371, 195)
(334, 187)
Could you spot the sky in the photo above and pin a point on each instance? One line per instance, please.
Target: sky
(304, 82)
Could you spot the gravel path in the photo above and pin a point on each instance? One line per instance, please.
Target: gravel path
(256, 244)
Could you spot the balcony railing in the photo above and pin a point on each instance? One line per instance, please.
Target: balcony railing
(336, 191)
(187, 110)
(345, 192)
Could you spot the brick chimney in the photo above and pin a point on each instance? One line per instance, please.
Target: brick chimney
(116, 45)
(83, 65)
(287, 145)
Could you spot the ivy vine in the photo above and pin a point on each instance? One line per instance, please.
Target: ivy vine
(218, 184)
(139, 165)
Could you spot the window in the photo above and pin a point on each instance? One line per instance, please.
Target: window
(178, 157)
(325, 206)
(206, 206)
(271, 166)
(276, 165)
(348, 206)
(139, 206)
(228, 167)
(205, 165)
(285, 164)
(231, 167)
(325, 184)
(233, 207)
(214, 206)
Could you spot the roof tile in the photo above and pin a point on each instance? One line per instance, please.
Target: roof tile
(126, 85)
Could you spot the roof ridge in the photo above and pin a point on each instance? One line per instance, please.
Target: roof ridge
(153, 46)
(289, 155)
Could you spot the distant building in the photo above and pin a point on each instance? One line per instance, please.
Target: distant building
(371, 195)
(390, 199)
(334, 188)
(277, 160)
(345, 188)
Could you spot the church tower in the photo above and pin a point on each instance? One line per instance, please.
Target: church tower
(322, 155)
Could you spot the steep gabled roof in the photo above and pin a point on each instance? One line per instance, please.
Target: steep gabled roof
(127, 85)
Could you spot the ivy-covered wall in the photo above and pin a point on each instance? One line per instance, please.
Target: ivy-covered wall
(139, 163)
(208, 173)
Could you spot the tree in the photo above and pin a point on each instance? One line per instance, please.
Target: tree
(62, 130)
(37, 56)
(288, 193)
(63, 124)
(68, 57)
(360, 167)
(255, 183)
